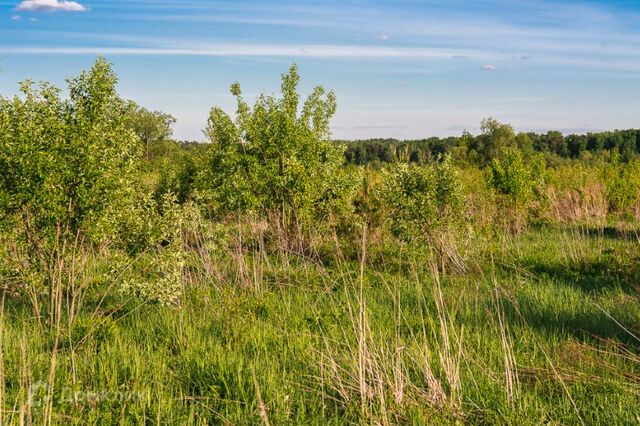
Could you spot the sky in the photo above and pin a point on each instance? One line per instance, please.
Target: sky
(400, 68)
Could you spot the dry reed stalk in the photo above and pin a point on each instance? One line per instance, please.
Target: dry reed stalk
(587, 203)
(262, 408)
(449, 357)
(362, 337)
(2, 378)
(512, 383)
(25, 382)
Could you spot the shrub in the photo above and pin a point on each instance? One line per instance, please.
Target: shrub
(152, 242)
(622, 184)
(178, 170)
(157, 276)
(68, 164)
(275, 158)
(68, 169)
(423, 200)
(368, 204)
(518, 181)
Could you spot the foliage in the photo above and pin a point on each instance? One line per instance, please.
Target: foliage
(150, 260)
(276, 158)
(494, 140)
(477, 149)
(67, 164)
(368, 203)
(150, 126)
(221, 324)
(518, 179)
(171, 168)
(622, 184)
(422, 199)
(178, 176)
(68, 173)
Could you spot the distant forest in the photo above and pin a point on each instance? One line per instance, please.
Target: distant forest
(371, 151)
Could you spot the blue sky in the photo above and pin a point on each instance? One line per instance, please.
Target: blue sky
(400, 68)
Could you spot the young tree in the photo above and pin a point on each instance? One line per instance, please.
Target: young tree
(496, 137)
(276, 156)
(150, 126)
(518, 180)
(67, 168)
(426, 210)
(491, 143)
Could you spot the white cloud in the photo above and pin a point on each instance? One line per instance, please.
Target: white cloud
(50, 6)
(16, 18)
(489, 67)
(382, 37)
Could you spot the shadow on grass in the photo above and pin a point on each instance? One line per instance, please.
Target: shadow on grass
(562, 297)
(586, 322)
(591, 276)
(608, 232)
(622, 232)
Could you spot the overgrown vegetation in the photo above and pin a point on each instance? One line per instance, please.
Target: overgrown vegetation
(268, 276)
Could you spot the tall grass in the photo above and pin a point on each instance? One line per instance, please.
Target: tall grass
(319, 330)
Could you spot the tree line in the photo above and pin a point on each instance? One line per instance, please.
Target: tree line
(553, 144)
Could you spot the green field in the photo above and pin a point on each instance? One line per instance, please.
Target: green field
(541, 334)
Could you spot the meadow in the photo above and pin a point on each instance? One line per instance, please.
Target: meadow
(265, 278)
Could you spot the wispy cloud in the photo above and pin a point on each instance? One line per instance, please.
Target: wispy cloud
(16, 18)
(481, 58)
(305, 51)
(525, 99)
(50, 6)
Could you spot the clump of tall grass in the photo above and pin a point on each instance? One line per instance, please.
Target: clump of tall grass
(385, 374)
